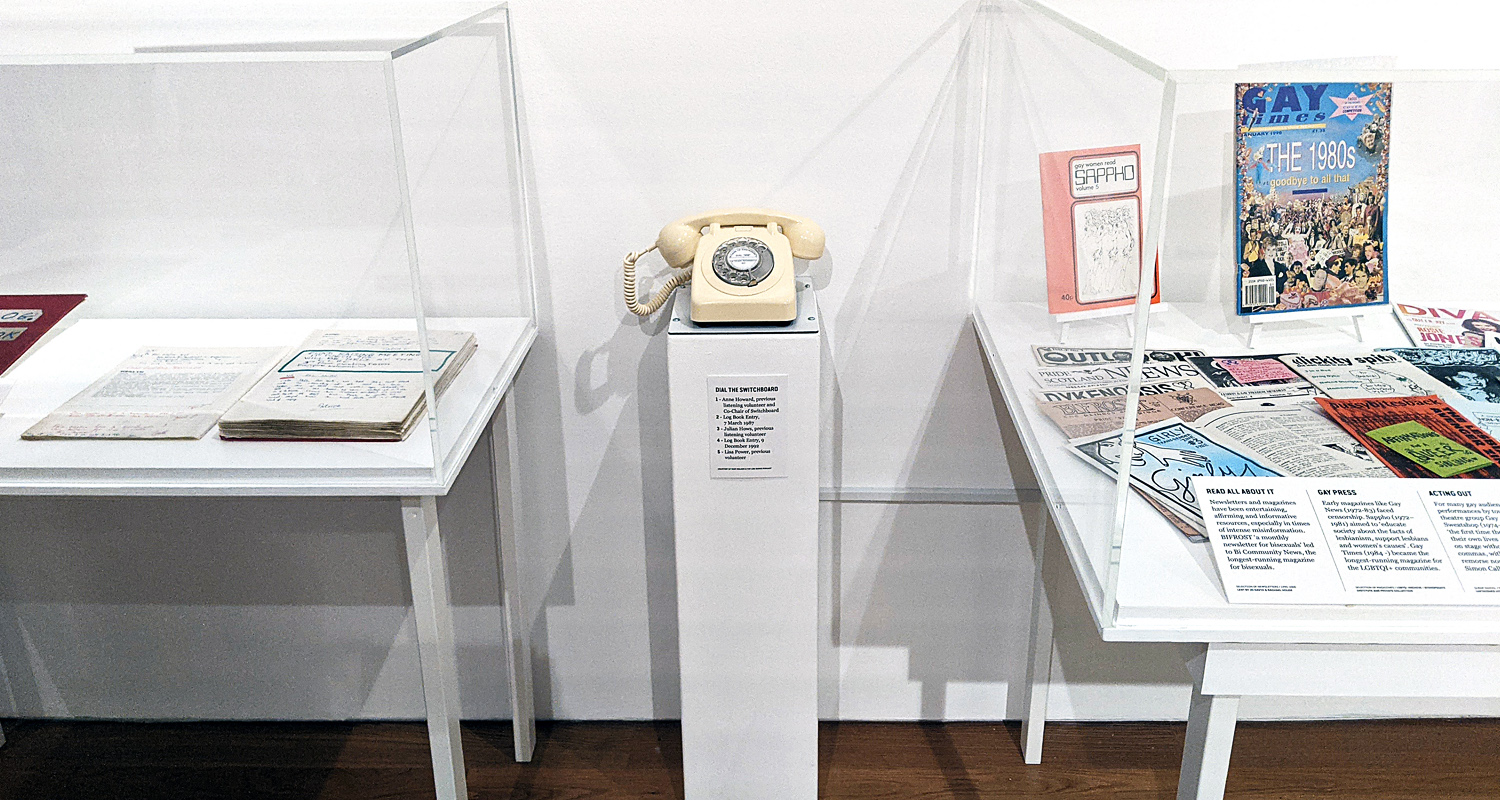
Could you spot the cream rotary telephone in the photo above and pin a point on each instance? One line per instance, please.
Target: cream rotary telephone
(741, 265)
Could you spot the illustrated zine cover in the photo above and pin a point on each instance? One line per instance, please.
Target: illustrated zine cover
(1311, 165)
(1473, 373)
(1092, 228)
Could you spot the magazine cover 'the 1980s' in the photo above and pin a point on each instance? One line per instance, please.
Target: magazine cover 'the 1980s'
(1311, 166)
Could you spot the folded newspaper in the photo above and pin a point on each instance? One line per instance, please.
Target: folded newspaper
(348, 385)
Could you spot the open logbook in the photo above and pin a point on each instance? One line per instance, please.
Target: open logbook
(347, 385)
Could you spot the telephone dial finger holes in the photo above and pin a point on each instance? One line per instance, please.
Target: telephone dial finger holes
(743, 262)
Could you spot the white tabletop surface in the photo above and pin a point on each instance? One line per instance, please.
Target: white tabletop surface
(1169, 589)
(77, 356)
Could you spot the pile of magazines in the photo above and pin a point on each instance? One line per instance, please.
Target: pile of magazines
(1429, 412)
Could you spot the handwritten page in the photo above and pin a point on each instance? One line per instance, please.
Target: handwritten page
(159, 393)
(348, 385)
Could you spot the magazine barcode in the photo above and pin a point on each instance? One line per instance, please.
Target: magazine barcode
(1257, 292)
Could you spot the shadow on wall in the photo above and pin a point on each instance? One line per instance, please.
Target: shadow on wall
(935, 580)
(928, 581)
(639, 341)
(237, 608)
(544, 548)
(947, 585)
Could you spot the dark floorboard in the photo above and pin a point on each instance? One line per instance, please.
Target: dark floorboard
(597, 761)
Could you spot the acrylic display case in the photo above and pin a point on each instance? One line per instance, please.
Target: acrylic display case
(217, 194)
(245, 195)
(1053, 82)
(1071, 75)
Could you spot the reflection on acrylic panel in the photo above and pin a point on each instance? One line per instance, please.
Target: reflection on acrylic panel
(1108, 250)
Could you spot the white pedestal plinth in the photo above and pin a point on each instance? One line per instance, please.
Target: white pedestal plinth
(744, 418)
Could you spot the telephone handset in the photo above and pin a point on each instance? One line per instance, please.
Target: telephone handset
(741, 265)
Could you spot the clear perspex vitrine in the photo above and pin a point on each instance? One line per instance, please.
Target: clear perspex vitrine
(1069, 76)
(246, 195)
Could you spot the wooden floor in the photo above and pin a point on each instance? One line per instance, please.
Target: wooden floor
(1449, 759)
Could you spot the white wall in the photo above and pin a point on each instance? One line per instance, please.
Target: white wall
(845, 113)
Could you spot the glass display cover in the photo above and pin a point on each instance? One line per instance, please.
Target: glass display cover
(1285, 209)
(223, 207)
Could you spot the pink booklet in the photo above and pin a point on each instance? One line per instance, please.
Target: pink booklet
(1092, 224)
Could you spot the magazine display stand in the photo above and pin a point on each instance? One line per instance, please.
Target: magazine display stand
(1044, 82)
(247, 195)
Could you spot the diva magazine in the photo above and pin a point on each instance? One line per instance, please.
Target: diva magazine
(1311, 164)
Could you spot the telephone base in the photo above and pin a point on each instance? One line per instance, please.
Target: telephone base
(775, 306)
(745, 321)
(805, 322)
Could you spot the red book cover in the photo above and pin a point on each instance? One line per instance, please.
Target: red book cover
(1360, 415)
(25, 317)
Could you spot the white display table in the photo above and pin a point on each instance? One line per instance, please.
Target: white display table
(1168, 590)
(210, 466)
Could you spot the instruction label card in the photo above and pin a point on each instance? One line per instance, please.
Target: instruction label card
(1354, 540)
(749, 426)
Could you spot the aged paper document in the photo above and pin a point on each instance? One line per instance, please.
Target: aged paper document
(348, 385)
(159, 393)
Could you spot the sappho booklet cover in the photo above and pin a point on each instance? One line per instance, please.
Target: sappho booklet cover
(1091, 222)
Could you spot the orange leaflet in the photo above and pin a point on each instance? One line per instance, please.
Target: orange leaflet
(1361, 415)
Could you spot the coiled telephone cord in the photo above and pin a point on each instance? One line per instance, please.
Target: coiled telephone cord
(647, 309)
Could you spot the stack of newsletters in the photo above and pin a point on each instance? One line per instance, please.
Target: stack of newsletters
(348, 385)
(1405, 412)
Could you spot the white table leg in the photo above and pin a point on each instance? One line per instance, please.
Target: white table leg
(436, 646)
(1210, 738)
(505, 465)
(1039, 657)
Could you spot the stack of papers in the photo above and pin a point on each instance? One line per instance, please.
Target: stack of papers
(159, 393)
(348, 385)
